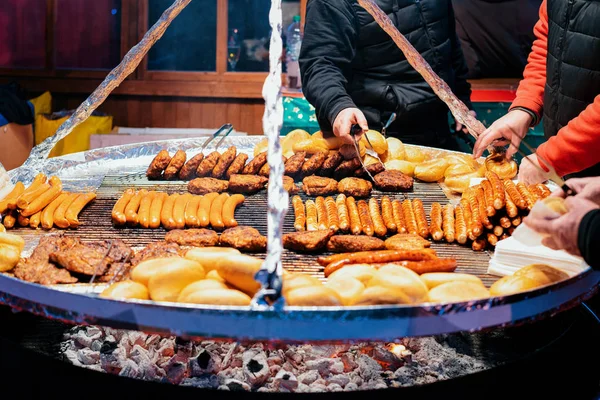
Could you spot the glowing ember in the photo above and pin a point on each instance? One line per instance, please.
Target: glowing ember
(397, 349)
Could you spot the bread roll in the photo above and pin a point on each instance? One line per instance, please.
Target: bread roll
(347, 287)
(464, 159)
(433, 279)
(261, 147)
(458, 169)
(378, 295)
(209, 256)
(126, 290)
(142, 272)
(452, 292)
(362, 272)
(556, 204)
(396, 150)
(406, 167)
(219, 297)
(12, 240)
(287, 142)
(505, 169)
(513, 284)
(9, 257)
(413, 154)
(400, 279)
(239, 270)
(460, 183)
(295, 281)
(368, 160)
(166, 283)
(204, 284)
(310, 146)
(431, 171)
(214, 275)
(316, 296)
(543, 274)
(380, 145)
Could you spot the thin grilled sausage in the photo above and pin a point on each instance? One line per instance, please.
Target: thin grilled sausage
(179, 210)
(378, 256)
(511, 208)
(399, 216)
(208, 164)
(497, 189)
(156, 209)
(188, 171)
(535, 191)
(144, 210)
(516, 221)
(72, 214)
(505, 235)
(365, 218)
(505, 222)
(435, 217)
(47, 218)
(498, 230)
(39, 203)
(421, 218)
(485, 221)
(475, 213)
(312, 222)
(22, 220)
(299, 214)
(191, 212)
(479, 244)
(342, 210)
(131, 210)
(488, 195)
(216, 212)
(387, 212)
(118, 211)
(10, 219)
(13, 195)
(460, 225)
(27, 197)
(229, 210)
(409, 217)
(204, 209)
(378, 223)
(166, 214)
(322, 213)
(39, 180)
(464, 203)
(526, 194)
(35, 220)
(59, 215)
(332, 214)
(492, 239)
(355, 225)
(513, 193)
(544, 190)
(448, 223)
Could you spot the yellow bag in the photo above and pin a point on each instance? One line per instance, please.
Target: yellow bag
(79, 139)
(42, 104)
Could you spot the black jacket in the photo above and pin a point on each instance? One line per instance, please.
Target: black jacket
(589, 238)
(496, 35)
(347, 60)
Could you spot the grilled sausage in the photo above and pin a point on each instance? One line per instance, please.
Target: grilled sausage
(497, 189)
(505, 222)
(485, 221)
(342, 210)
(513, 193)
(47, 218)
(399, 216)
(365, 218)
(429, 266)
(477, 226)
(144, 210)
(378, 257)
(39, 180)
(22, 220)
(460, 225)
(387, 212)
(27, 197)
(254, 166)
(216, 212)
(511, 208)
(299, 214)
(332, 214)
(312, 222)
(479, 244)
(224, 162)
(191, 212)
(175, 165)
(237, 166)
(498, 230)
(448, 223)
(435, 217)
(35, 220)
(156, 209)
(166, 214)
(131, 209)
(229, 210)
(543, 190)
(492, 239)
(118, 211)
(355, 225)
(535, 191)
(10, 219)
(466, 207)
(179, 210)
(409, 217)
(59, 214)
(488, 195)
(321, 213)
(204, 209)
(13, 195)
(505, 235)
(378, 223)
(526, 194)
(188, 171)
(421, 218)
(72, 214)
(39, 203)
(208, 164)
(516, 221)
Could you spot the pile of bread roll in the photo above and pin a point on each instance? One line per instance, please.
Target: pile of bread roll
(11, 247)
(43, 203)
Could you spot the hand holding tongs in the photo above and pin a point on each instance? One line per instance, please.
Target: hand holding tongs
(357, 130)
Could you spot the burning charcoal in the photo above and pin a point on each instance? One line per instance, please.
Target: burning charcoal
(71, 355)
(340, 379)
(256, 367)
(152, 340)
(369, 369)
(202, 382)
(309, 377)
(204, 363)
(130, 370)
(293, 356)
(229, 355)
(286, 380)
(351, 387)
(302, 388)
(317, 388)
(348, 359)
(274, 369)
(387, 358)
(274, 360)
(236, 386)
(176, 372)
(334, 388)
(88, 356)
(167, 348)
(322, 365)
(337, 367)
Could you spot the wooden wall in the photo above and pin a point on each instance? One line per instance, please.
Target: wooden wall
(175, 112)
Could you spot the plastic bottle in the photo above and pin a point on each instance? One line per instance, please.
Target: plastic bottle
(293, 44)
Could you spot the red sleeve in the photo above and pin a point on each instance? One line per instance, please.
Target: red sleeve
(530, 93)
(577, 145)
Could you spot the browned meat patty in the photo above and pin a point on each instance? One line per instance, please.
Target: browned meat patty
(93, 258)
(346, 168)
(333, 160)
(208, 164)
(348, 151)
(266, 169)
(157, 250)
(290, 186)
(158, 165)
(224, 162)
(254, 166)
(207, 185)
(246, 184)
(237, 165)
(393, 181)
(313, 164)
(319, 186)
(294, 163)
(352, 243)
(307, 241)
(244, 238)
(38, 268)
(193, 237)
(373, 169)
(406, 241)
(355, 187)
(175, 165)
(188, 171)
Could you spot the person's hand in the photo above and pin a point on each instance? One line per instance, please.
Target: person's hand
(344, 121)
(460, 127)
(509, 129)
(528, 174)
(563, 231)
(587, 188)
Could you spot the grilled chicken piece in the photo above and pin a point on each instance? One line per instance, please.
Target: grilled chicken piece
(158, 165)
(244, 238)
(393, 181)
(333, 160)
(319, 186)
(175, 165)
(347, 168)
(193, 237)
(246, 184)
(355, 187)
(208, 164)
(189, 169)
(308, 241)
(406, 241)
(207, 185)
(254, 166)
(224, 162)
(237, 165)
(294, 164)
(314, 163)
(352, 244)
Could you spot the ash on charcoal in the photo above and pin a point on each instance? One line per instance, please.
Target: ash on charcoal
(203, 382)
(286, 380)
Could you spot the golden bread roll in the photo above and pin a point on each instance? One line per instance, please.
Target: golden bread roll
(317, 135)
(313, 296)
(400, 279)
(287, 142)
(12, 240)
(431, 171)
(368, 160)
(464, 159)
(295, 281)
(505, 169)
(512, 284)
(347, 287)
(209, 256)
(142, 272)
(452, 292)
(310, 146)
(378, 295)
(380, 145)
(543, 274)
(9, 257)
(362, 272)
(433, 279)
(204, 284)
(406, 167)
(126, 290)
(167, 282)
(556, 204)
(219, 297)
(239, 270)
(261, 147)
(458, 169)
(413, 154)
(460, 183)
(396, 150)
(214, 275)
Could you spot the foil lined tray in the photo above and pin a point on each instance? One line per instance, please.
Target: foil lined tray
(80, 304)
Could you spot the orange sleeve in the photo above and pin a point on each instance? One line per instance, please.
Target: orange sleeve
(530, 93)
(577, 145)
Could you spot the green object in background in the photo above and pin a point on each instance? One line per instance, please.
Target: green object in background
(298, 113)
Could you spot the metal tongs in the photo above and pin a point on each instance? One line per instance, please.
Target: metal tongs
(354, 131)
(227, 128)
